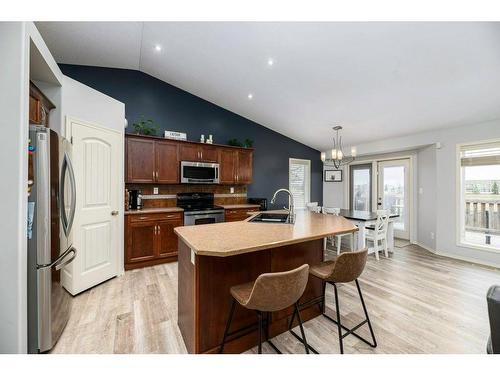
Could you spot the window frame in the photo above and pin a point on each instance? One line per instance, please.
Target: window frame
(460, 202)
(307, 193)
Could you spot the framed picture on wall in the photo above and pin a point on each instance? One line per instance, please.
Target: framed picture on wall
(334, 175)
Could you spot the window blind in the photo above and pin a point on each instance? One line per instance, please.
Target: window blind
(299, 181)
(480, 154)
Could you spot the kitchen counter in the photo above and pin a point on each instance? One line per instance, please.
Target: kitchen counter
(227, 239)
(145, 211)
(238, 206)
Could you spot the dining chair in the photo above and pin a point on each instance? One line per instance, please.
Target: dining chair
(338, 237)
(378, 233)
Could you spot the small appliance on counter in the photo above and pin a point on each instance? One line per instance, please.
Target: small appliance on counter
(135, 199)
(262, 202)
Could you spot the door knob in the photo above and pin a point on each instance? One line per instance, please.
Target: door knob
(114, 213)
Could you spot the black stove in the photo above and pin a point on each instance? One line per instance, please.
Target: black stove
(197, 202)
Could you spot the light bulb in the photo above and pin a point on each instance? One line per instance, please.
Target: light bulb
(354, 152)
(323, 156)
(340, 154)
(334, 154)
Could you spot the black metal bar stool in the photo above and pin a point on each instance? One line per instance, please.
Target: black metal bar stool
(270, 292)
(346, 268)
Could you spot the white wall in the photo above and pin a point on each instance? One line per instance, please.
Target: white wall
(14, 92)
(442, 168)
(426, 201)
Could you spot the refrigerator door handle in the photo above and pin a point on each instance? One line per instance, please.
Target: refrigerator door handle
(59, 259)
(68, 219)
(61, 264)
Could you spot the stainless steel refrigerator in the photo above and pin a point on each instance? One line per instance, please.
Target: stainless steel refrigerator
(51, 211)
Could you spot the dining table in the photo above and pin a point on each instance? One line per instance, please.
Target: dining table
(363, 219)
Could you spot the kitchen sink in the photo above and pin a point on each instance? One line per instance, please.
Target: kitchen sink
(270, 218)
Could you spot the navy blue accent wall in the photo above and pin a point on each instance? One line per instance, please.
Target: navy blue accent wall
(174, 109)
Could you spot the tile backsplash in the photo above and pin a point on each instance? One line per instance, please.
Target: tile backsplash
(166, 193)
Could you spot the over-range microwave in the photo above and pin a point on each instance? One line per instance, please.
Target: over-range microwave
(199, 173)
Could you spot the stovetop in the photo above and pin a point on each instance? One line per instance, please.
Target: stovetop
(197, 202)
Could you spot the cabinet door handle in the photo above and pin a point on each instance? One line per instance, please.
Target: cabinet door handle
(153, 175)
(159, 229)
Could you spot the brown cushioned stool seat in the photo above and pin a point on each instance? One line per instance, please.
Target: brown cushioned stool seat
(346, 268)
(270, 292)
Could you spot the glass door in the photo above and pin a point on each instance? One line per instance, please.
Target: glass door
(393, 193)
(360, 182)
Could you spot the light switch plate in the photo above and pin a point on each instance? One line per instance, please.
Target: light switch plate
(231, 190)
(155, 190)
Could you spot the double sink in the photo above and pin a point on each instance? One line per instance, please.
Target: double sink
(272, 218)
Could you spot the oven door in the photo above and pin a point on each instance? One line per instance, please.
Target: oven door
(206, 217)
(199, 173)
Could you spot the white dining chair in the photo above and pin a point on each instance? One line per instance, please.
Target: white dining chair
(313, 207)
(338, 237)
(378, 233)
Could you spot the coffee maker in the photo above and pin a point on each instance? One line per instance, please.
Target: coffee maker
(135, 199)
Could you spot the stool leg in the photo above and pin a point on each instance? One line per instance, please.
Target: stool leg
(339, 324)
(301, 328)
(374, 345)
(323, 301)
(259, 314)
(228, 324)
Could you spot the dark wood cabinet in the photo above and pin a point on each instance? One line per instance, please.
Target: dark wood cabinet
(156, 160)
(141, 242)
(167, 162)
(238, 214)
(244, 167)
(140, 160)
(201, 152)
(39, 107)
(150, 161)
(167, 239)
(150, 239)
(227, 166)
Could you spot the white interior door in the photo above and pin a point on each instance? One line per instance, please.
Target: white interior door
(393, 193)
(98, 162)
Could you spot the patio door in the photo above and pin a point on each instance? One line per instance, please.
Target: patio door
(360, 181)
(394, 193)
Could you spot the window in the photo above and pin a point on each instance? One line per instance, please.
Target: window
(479, 195)
(361, 187)
(300, 182)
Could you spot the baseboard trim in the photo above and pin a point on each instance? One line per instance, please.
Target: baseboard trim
(430, 249)
(458, 257)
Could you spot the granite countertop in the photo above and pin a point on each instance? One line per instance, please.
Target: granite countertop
(154, 210)
(236, 206)
(239, 237)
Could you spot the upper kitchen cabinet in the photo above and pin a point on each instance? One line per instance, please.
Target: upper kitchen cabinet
(140, 156)
(156, 160)
(150, 160)
(39, 107)
(235, 166)
(201, 152)
(244, 167)
(167, 162)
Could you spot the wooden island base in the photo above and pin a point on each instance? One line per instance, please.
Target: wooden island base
(204, 298)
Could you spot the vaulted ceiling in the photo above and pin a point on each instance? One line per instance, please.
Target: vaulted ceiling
(378, 80)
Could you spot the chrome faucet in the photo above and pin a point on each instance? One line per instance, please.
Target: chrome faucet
(291, 211)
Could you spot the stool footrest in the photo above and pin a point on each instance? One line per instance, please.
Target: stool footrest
(350, 331)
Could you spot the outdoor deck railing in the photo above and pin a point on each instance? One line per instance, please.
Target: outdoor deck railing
(482, 215)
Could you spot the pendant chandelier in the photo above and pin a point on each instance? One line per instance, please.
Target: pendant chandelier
(336, 156)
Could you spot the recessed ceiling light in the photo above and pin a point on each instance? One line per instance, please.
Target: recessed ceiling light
(157, 48)
(250, 96)
(270, 62)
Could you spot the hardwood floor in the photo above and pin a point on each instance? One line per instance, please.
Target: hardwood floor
(418, 303)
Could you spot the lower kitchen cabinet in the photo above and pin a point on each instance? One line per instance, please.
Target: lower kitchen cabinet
(238, 214)
(150, 239)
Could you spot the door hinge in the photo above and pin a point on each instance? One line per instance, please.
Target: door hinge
(71, 140)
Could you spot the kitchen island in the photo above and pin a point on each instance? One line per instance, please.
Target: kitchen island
(214, 257)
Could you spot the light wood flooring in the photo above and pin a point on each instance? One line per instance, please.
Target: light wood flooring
(418, 303)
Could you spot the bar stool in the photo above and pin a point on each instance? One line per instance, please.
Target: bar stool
(270, 292)
(346, 268)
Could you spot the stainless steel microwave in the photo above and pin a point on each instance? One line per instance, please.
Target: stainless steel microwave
(199, 173)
